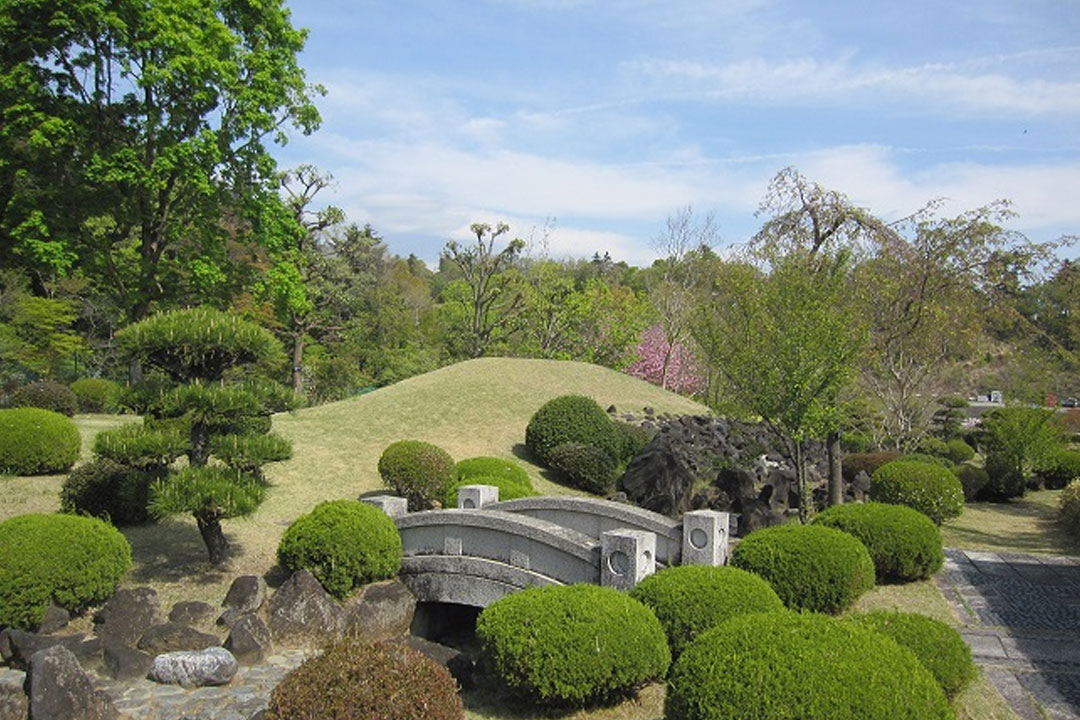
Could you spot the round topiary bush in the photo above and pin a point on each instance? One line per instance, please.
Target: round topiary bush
(868, 462)
(71, 560)
(972, 479)
(903, 543)
(1069, 507)
(689, 599)
(959, 451)
(632, 440)
(811, 567)
(1062, 469)
(107, 490)
(355, 679)
(926, 458)
(46, 395)
(344, 544)
(806, 666)
(572, 644)
(37, 442)
(492, 467)
(931, 489)
(934, 446)
(418, 471)
(97, 395)
(584, 466)
(571, 419)
(508, 489)
(938, 647)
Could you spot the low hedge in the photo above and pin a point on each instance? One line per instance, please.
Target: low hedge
(37, 442)
(97, 395)
(46, 395)
(355, 679)
(71, 560)
(972, 479)
(572, 644)
(108, 490)
(492, 467)
(903, 543)
(585, 467)
(508, 489)
(931, 489)
(811, 567)
(632, 440)
(571, 419)
(418, 471)
(344, 544)
(1069, 507)
(689, 599)
(806, 666)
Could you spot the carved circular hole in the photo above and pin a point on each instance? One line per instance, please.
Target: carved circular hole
(648, 557)
(699, 538)
(619, 563)
(468, 504)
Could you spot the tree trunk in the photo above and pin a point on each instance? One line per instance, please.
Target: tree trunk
(800, 481)
(214, 538)
(135, 371)
(836, 475)
(298, 363)
(199, 452)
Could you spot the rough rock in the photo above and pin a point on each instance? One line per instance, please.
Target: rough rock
(229, 616)
(658, 479)
(381, 610)
(55, 618)
(14, 704)
(757, 514)
(59, 689)
(126, 663)
(170, 637)
(301, 610)
(250, 640)
(246, 594)
(17, 647)
(190, 612)
(458, 663)
(128, 614)
(194, 668)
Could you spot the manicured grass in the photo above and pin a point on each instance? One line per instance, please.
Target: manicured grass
(1027, 525)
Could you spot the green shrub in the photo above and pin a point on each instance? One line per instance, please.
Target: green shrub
(355, 679)
(959, 451)
(689, 599)
(856, 441)
(584, 466)
(1069, 507)
(250, 452)
(572, 644)
(107, 490)
(972, 479)
(922, 457)
(1005, 479)
(97, 395)
(418, 471)
(931, 489)
(67, 559)
(149, 445)
(811, 567)
(508, 489)
(811, 667)
(938, 647)
(344, 544)
(856, 463)
(934, 446)
(1062, 469)
(46, 395)
(571, 419)
(37, 442)
(903, 543)
(632, 440)
(492, 467)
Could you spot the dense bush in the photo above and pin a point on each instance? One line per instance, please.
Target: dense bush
(811, 567)
(972, 479)
(856, 441)
(934, 446)
(355, 679)
(931, 489)
(508, 489)
(572, 644)
(690, 599)
(107, 490)
(418, 471)
(67, 559)
(344, 544)
(153, 444)
(856, 463)
(37, 442)
(959, 451)
(1004, 479)
(249, 452)
(922, 457)
(938, 647)
(584, 466)
(903, 543)
(492, 467)
(47, 395)
(811, 667)
(1062, 469)
(1069, 507)
(632, 440)
(571, 419)
(97, 395)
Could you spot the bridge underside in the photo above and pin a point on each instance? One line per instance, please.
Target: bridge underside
(465, 580)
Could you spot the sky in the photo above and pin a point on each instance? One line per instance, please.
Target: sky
(585, 124)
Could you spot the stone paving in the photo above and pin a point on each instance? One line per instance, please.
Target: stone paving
(1022, 618)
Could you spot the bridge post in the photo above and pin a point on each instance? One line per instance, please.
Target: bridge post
(626, 557)
(705, 537)
(389, 504)
(474, 497)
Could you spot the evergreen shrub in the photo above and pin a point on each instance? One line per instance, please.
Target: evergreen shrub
(903, 543)
(972, 479)
(586, 467)
(1069, 507)
(97, 395)
(418, 471)
(1062, 469)
(931, 489)
(571, 419)
(46, 395)
(1005, 479)
(34, 441)
(151, 444)
(811, 567)
(939, 460)
(959, 451)
(934, 446)
(508, 489)
(632, 440)
(855, 463)
(108, 490)
(492, 467)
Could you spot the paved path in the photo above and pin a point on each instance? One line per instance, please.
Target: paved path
(1022, 614)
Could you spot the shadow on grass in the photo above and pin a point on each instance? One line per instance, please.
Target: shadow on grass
(1018, 525)
(172, 551)
(488, 700)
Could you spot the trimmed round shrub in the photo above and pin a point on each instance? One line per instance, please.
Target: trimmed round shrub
(571, 419)
(972, 479)
(689, 599)
(508, 489)
(47, 395)
(107, 490)
(811, 567)
(418, 471)
(806, 666)
(1069, 507)
(959, 451)
(903, 543)
(1005, 481)
(934, 446)
(926, 458)
(931, 489)
(632, 440)
(492, 467)
(1062, 470)
(938, 647)
(344, 544)
(856, 463)
(71, 560)
(97, 395)
(355, 679)
(572, 644)
(584, 466)
(37, 442)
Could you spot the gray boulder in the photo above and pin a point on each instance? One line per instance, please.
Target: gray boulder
(190, 612)
(126, 663)
(194, 668)
(170, 637)
(55, 618)
(246, 594)
(460, 665)
(128, 614)
(249, 640)
(659, 479)
(17, 647)
(301, 610)
(59, 689)
(14, 705)
(381, 610)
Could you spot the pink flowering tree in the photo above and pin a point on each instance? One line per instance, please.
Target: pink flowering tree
(672, 366)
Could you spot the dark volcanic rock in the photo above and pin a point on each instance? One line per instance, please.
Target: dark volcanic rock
(757, 514)
(59, 689)
(301, 609)
(17, 647)
(460, 665)
(249, 641)
(55, 618)
(126, 663)
(171, 637)
(189, 612)
(246, 593)
(128, 614)
(381, 610)
(659, 479)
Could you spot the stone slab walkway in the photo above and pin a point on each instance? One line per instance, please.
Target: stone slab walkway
(1022, 620)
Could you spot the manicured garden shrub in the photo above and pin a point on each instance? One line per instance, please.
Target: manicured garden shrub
(806, 666)
(690, 599)
(150, 445)
(903, 543)
(584, 466)
(811, 567)
(355, 679)
(418, 471)
(922, 457)
(508, 489)
(344, 544)
(97, 395)
(572, 644)
(571, 419)
(37, 442)
(632, 440)
(1069, 507)
(959, 451)
(972, 479)
(934, 446)
(1005, 480)
(71, 560)
(249, 452)
(1062, 469)
(492, 467)
(47, 395)
(856, 441)
(108, 490)
(931, 489)
(856, 463)
(938, 647)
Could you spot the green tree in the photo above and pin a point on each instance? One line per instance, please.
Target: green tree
(1021, 440)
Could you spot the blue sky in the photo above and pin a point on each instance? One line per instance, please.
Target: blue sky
(609, 115)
